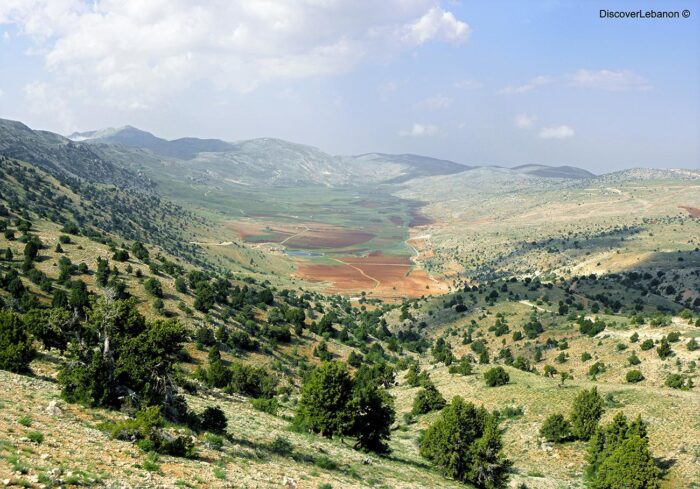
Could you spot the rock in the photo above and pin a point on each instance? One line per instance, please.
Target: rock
(53, 410)
(289, 482)
(34, 479)
(367, 461)
(6, 482)
(44, 456)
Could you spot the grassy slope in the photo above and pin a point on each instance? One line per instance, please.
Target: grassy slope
(672, 415)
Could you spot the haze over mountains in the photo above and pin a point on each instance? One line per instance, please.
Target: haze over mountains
(281, 162)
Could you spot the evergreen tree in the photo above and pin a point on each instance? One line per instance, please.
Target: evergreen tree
(585, 413)
(556, 428)
(372, 411)
(217, 374)
(16, 350)
(618, 456)
(102, 274)
(465, 443)
(496, 376)
(154, 287)
(428, 399)
(325, 397)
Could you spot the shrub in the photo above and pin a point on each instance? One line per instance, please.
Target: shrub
(213, 419)
(325, 462)
(590, 328)
(213, 441)
(556, 428)
(35, 437)
(496, 376)
(268, 406)
(596, 368)
(521, 363)
(16, 350)
(428, 399)
(633, 359)
(634, 376)
(121, 256)
(153, 287)
(281, 446)
(464, 367)
(549, 371)
(465, 443)
(585, 356)
(647, 344)
(585, 413)
(675, 381)
(673, 337)
(664, 349)
(251, 381)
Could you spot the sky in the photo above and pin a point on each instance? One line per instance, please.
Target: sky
(487, 82)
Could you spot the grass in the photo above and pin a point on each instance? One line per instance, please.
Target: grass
(25, 421)
(35, 437)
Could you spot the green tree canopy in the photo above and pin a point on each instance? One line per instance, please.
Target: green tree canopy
(585, 413)
(465, 442)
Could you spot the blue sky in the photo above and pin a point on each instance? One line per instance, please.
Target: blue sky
(492, 82)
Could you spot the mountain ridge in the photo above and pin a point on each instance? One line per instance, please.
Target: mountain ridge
(328, 169)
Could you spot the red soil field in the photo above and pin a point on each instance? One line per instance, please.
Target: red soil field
(388, 277)
(305, 235)
(693, 211)
(418, 219)
(329, 238)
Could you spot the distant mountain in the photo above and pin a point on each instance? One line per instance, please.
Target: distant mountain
(636, 174)
(411, 166)
(61, 157)
(270, 161)
(570, 172)
(262, 161)
(183, 148)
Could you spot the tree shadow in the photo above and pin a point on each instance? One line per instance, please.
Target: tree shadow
(664, 464)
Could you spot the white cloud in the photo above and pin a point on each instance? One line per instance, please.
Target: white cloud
(131, 53)
(609, 80)
(556, 132)
(437, 24)
(42, 99)
(524, 121)
(531, 85)
(436, 102)
(467, 84)
(621, 80)
(420, 130)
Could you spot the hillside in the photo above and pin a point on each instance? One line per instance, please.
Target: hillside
(164, 327)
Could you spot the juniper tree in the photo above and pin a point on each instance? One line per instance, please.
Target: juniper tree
(585, 413)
